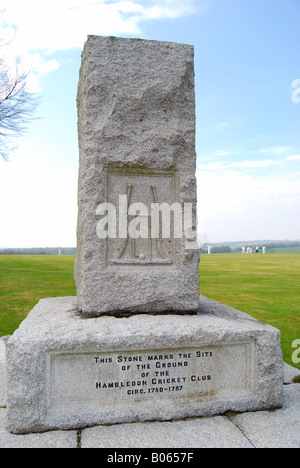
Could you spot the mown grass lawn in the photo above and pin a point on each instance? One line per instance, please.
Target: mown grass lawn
(264, 286)
(25, 279)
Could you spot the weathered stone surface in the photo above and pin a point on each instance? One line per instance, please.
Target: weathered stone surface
(290, 373)
(67, 372)
(136, 127)
(53, 439)
(215, 432)
(274, 429)
(2, 373)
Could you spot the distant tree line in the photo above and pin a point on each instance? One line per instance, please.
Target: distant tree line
(280, 245)
(40, 251)
(219, 249)
(72, 250)
(236, 247)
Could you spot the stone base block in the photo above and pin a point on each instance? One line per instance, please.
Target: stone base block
(68, 372)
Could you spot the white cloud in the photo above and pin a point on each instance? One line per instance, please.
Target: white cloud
(16, 57)
(224, 125)
(237, 206)
(239, 201)
(255, 164)
(38, 67)
(41, 28)
(279, 150)
(215, 166)
(235, 123)
(222, 153)
(165, 9)
(64, 24)
(293, 157)
(252, 164)
(40, 207)
(43, 67)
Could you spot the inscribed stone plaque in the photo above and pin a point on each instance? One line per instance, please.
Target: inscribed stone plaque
(137, 186)
(109, 380)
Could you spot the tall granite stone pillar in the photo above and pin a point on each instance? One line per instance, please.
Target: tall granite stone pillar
(136, 126)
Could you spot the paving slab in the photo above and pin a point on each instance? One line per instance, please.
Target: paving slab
(277, 428)
(54, 439)
(214, 432)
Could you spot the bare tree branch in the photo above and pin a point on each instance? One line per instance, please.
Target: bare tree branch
(17, 105)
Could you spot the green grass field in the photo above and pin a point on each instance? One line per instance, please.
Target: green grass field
(264, 286)
(25, 279)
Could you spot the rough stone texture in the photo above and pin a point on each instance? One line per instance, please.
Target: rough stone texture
(47, 369)
(290, 373)
(3, 389)
(275, 429)
(136, 127)
(53, 439)
(215, 432)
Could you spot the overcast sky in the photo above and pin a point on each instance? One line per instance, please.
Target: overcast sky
(247, 80)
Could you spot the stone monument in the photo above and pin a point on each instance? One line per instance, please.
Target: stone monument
(135, 345)
(136, 126)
